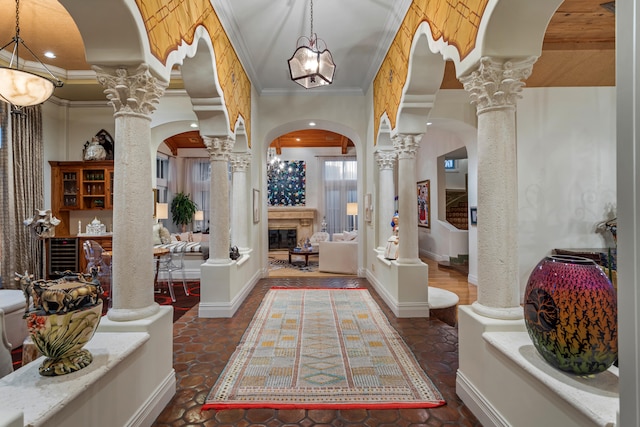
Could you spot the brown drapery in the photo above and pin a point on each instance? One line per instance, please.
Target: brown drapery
(21, 191)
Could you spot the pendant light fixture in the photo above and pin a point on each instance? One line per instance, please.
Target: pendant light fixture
(22, 88)
(311, 64)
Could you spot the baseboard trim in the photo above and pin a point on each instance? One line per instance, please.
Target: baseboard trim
(477, 404)
(224, 309)
(153, 406)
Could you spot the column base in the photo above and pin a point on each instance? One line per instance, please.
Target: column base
(501, 313)
(128, 314)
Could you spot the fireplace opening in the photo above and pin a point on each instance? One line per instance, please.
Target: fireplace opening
(282, 238)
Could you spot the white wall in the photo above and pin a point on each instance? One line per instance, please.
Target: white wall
(566, 169)
(312, 158)
(436, 142)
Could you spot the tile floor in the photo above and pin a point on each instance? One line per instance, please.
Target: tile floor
(203, 346)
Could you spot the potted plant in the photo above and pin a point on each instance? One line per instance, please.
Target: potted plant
(182, 210)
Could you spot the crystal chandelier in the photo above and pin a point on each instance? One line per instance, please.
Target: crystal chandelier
(274, 163)
(22, 88)
(310, 66)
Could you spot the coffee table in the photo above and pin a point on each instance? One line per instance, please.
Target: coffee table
(303, 253)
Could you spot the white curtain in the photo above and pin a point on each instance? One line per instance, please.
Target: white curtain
(197, 183)
(340, 178)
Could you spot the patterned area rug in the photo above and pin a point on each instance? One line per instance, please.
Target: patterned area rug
(297, 263)
(322, 349)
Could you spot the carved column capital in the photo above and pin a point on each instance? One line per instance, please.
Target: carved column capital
(239, 161)
(386, 158)
(497, 84)
(406, 146)
(218, 148)
(130, 91)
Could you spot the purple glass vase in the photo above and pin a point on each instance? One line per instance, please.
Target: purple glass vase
(570, 311)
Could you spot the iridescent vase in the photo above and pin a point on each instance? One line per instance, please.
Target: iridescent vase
(570, 312)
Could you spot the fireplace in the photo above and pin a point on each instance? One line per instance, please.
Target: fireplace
(289, 225)
(283, 238)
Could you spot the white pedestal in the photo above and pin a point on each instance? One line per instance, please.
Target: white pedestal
(129, 382)
(505, 382)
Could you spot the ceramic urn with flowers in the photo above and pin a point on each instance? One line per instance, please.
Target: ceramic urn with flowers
(62, 315)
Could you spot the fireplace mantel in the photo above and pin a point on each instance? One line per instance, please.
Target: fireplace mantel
(301, 219)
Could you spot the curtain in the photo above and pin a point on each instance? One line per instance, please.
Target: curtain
(21, 192)
(340, 178)
(197, 183)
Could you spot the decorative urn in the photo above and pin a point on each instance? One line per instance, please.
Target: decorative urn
(570, 312)
(63, 317)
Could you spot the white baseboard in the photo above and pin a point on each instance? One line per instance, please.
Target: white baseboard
(227, 309)
(159, 399)
(477, 404)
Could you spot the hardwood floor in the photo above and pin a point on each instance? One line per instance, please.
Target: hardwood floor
(451, 280)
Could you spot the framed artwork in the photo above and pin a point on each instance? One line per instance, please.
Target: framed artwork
(473, 215)
(367, 207)
(424, 207)
(256, 206)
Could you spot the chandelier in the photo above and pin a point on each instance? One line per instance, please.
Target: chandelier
(274, 164)
(22, 88)
(311, 64)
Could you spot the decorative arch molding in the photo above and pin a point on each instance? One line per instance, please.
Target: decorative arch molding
(384, 133)
(463, 33)
(320, 124)
(175, 29)
(424, 77)
(200, 81)
(129, 46)
(242, 143)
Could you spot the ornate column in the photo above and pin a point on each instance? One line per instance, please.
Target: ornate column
(494, 88)
(386, 159)
(133, 95)
(240, 211)
(219, 150)
(406, 147)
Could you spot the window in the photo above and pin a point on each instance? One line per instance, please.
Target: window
(340, 177)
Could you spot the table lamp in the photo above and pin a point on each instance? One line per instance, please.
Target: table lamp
(352, 209)
(199, 216)
(162, 211)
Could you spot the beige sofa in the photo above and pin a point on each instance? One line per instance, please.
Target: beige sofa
(338, 255)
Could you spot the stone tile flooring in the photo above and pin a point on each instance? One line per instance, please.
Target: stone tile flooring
(202, 348)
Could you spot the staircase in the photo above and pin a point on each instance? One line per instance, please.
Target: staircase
(457, 209)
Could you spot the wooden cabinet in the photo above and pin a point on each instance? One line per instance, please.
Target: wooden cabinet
(80, 186)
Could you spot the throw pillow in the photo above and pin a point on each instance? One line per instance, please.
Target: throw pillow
(165, 236)
(156, 234)
(350, 235)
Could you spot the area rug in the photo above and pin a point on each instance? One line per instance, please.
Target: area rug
(297, 263)
(322, 349)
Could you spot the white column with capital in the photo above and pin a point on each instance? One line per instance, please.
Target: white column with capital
(386, 160)
(406, 147)
(240, 211)
(133, 95)
(219, 238)
(494, 89)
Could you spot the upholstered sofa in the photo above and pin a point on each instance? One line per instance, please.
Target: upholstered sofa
(196, 250)
(339, 255)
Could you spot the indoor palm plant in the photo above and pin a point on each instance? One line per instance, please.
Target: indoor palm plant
(182, 210)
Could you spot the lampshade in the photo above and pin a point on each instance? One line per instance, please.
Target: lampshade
(199, 216)
(162, 210)
(22, 88)
(352, 209)
(311, 65)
